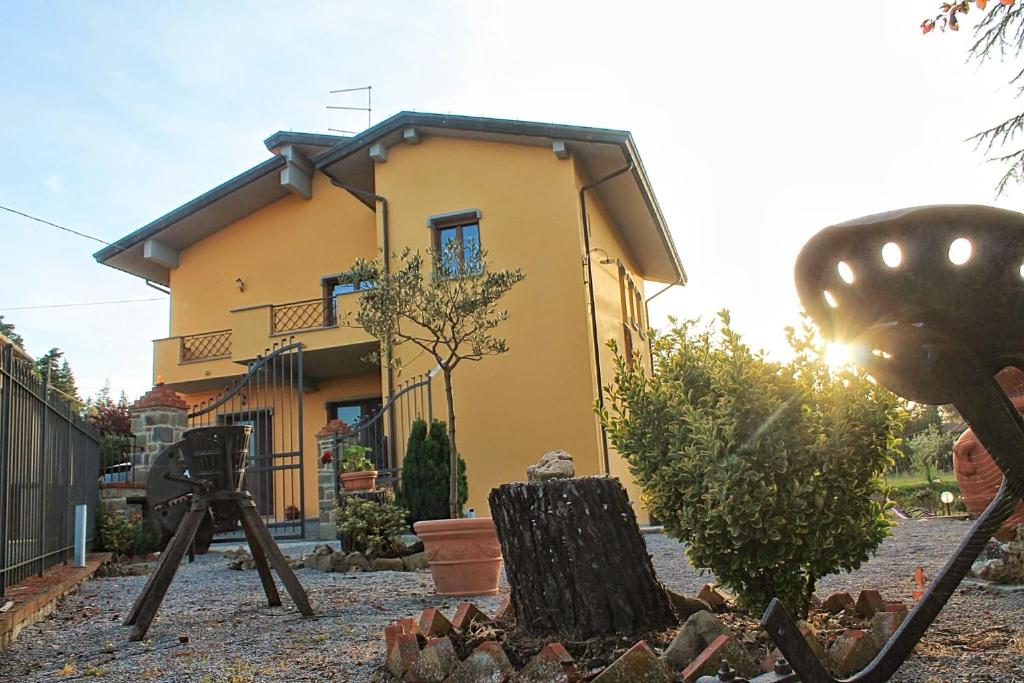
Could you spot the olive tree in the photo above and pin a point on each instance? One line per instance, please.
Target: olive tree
(767, 471)
(446, 304)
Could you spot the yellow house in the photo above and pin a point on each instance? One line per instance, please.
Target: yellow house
(251, 267)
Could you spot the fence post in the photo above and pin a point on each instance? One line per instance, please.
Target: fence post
(6, 361)
(44, 416)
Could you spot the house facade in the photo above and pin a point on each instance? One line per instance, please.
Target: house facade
(252, 267)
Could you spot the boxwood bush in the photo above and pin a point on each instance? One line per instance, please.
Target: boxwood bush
(767, 471)
(424, 489)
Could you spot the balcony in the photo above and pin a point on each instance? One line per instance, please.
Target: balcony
(196, 362)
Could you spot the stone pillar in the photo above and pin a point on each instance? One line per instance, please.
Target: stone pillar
(159, 419)
(327, 476)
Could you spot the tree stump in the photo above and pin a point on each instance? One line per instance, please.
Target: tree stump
(576, 561)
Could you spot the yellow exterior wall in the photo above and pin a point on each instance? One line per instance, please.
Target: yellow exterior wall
(279, 252)
(606, 244)
(509, 409)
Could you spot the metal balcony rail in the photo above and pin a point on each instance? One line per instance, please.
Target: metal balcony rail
(311, 314)
(206, 346)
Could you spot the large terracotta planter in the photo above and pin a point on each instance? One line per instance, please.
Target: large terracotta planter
(358, 481)
(977, 474)
(464, 555)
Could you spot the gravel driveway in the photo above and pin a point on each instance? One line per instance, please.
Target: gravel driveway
(232, 636)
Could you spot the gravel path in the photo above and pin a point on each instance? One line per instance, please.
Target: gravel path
(232, 636)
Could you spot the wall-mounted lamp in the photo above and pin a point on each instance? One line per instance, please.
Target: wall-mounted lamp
(241, 285)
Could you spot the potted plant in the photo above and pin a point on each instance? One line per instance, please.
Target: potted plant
(357, 473)
(449, 312)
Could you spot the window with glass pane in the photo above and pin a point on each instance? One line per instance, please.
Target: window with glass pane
(335, 285)
(458, 245)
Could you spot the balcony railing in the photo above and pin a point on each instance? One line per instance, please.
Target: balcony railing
(206, 346)
(302, 315)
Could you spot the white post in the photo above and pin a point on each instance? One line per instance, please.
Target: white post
(81, 517)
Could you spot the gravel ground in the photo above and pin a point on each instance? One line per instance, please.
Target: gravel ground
(232, 635)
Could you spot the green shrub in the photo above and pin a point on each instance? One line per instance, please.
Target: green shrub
(371, 527)
(425, 472)
(931, 450)
(124, 535)
(353, 459)
(767, 471)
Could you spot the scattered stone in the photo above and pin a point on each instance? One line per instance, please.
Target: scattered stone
(895, 606)
(715, 598)
(403, 654)
(389, 564)
(638, 665)
(487, 663)
(837, 602)
(357, 561)
(321, 559)
(552, 465)
(433, 623)
(696, 634)
(1002, 563)
(884, 624)
(183, 638)
(467, 614)
(553, 664)
(415, 561)
(685, 607)
(409, 625)
(868, 602)
(852, 651)
(504, 611)
(434, 663)
(391, 633)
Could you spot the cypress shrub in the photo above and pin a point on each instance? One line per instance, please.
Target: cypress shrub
(425, 472)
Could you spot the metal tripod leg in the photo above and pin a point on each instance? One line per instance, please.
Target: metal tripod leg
(252, 519)
(149, 602)
(260, 559)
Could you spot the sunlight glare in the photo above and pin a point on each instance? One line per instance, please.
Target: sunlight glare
(837, 355)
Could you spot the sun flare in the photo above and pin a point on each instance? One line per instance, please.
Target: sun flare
(837, 355)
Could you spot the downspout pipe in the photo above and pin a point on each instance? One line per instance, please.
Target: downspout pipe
(386, 247)
(593, 306)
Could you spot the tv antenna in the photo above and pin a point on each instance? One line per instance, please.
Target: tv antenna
(368, 108)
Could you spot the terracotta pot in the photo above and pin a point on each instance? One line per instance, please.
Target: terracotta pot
(359, 481)
(977, 474)
(464, 555)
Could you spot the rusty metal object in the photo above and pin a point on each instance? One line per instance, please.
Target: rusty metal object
(200, 480)
(933, 327)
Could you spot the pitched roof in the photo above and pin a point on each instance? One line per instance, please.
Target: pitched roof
(599, 150)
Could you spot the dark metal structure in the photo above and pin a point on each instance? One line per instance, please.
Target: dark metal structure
(49, 463)
(935, 297)
(206, 473)
(412, 400)
(267, 398)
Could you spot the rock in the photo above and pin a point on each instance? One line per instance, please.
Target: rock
(467, 614)
(884, 624)
(553, 664)
(638, 665)
(552, 465)
(837, 602)
(415, 561)
(358, 561)
(696, 634)
(389, 564)
(488, 663)
(685, 607)
(504, 611)
(320, 562)
(868, 602)
(852, 651)
(1002, 563)
(433, 623)
(715, 598)
(436, 661)
(402, 655)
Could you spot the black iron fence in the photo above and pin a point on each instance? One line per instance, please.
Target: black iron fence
(302, 315)
(205, 346)
(49, 463)
(385, 432)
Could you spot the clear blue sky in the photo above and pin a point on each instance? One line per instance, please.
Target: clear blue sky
(758, 126)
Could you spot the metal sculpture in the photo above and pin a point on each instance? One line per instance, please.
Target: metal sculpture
(935, 296)
(201, 478)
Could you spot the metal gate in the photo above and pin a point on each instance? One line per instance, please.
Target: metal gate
(269, 399)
